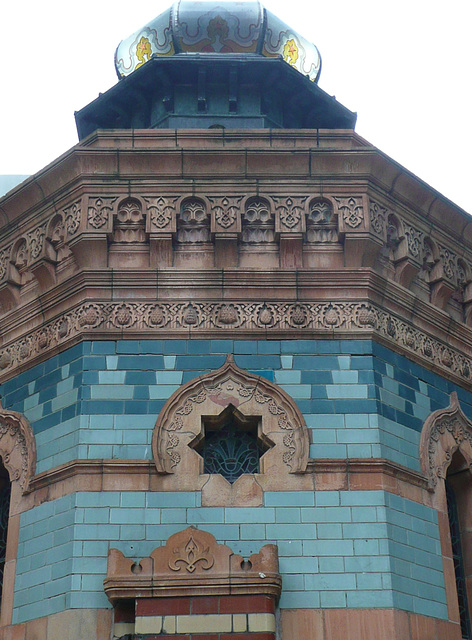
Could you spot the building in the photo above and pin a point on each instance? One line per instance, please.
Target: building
(235, 361)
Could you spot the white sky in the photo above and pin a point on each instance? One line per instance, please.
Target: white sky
(404, 66)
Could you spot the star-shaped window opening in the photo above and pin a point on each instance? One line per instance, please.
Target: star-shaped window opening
(232, 444)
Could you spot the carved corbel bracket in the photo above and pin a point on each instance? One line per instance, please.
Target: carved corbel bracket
(444, 432)
(192, 563)
(17, 448)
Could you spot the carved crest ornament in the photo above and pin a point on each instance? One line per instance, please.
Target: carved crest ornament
(193, 563)
(179, 427)
(444, 432)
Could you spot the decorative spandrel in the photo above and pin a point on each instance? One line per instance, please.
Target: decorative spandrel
(231, 452)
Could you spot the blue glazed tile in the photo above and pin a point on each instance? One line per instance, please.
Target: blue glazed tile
(198, 347)
(299, 346)
(140, 377)
(245, 347)
(151, 346)
(136, 407)
(127, 346)
(176, 347)
(257, 361)
(94, 363)
(152, 362)
(102, 406)
(319, 377)
(315, 362)
(268, 346)
(141, 393)
(221, 346)
(105, 347)
(268, 375)
(199, 362)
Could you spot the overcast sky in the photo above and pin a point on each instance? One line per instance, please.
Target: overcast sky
(403, 66)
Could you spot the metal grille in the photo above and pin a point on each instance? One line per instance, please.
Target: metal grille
(457, 556)
(231, 452)
(4, 513)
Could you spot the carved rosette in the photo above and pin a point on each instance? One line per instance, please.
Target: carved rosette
(179, 425)
(35, 240)
(17, 447)
(193, 563)
(204, 317)
(444, 432)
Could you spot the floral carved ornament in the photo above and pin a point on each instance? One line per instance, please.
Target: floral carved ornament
(17, 447)
(179, 426)
(444, 432)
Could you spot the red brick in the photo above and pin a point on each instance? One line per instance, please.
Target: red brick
(247, 604)
(162, 606)
(205, 604)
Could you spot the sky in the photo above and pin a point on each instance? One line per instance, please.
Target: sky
(403, 66)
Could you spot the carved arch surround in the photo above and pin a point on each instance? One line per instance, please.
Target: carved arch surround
(444, 432)
(180, 421)
(17, 447)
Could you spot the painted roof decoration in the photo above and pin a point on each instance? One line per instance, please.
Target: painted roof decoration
(209, 26)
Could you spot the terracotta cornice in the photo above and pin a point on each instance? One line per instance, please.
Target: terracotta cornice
(142, 475)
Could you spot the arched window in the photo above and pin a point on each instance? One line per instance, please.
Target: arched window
(446, 459)
(5, 494)
(458, 485)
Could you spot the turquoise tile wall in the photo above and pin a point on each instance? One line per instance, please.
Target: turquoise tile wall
(101, 399)
(337, 549)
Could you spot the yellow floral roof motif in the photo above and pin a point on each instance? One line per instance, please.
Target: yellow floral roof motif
(208, 26)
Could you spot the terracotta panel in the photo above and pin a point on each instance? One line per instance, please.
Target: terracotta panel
(422, 628)
(37, 629)
(303, 624)
(360, 624)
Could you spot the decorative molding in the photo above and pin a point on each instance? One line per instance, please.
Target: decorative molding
(17, 447)
(444, 432)
(150, 318)
(180, 425)
(290, 211)
(193, 563)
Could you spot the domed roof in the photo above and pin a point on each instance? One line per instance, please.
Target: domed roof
(212, 27)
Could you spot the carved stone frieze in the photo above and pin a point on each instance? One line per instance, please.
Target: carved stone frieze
(321, 223)
(444, 432)
(257, 224)
(35, 240)
(129, 224)
(99, 211)
(226, 212)
(193, 224)
(162, 213)
(72, 217)
(17, 447)
(4, 260)
(290, 212)
(193, 563)
(205, 317)
(180, 423)
(378, 219)
(415, 242)
(351, 210)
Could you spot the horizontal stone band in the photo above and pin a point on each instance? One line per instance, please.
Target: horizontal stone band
(211, 623)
